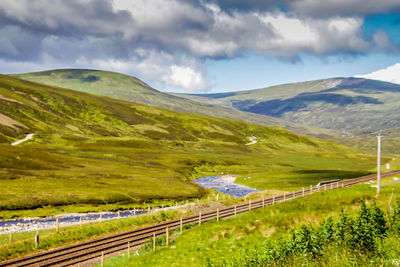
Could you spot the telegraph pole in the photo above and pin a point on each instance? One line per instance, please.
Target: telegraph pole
(379, 163)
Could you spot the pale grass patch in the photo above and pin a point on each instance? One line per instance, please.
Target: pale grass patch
(217, 129)
(146, 127)
(7, 121)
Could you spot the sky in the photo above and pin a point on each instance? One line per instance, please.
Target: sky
(204, 46)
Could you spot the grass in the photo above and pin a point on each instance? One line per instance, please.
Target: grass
(120, 86)
(23, 242)
(249, 230)
(346, 105)
(92, 153)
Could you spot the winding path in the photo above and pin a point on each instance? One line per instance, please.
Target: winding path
(252, 140)
(27, 137)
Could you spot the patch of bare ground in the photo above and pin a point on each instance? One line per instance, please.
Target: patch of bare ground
(7, 121)
(2, 97)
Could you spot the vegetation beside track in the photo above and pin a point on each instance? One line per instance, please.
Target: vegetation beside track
(23, 242)
(228, 239)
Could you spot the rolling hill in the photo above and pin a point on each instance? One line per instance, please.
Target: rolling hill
(97, 153)
(349, 105)
(120, 86)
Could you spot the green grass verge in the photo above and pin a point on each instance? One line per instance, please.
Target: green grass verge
(248, 231)
(23, 242)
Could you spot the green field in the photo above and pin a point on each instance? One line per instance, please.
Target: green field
(245, 236)
(94, 153)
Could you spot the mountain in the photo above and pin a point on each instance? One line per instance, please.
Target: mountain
(120, 86)
(90, 152)
(349, 105)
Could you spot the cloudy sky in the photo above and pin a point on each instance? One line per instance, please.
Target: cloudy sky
(204, 45)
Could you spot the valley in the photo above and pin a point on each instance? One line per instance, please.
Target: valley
(93, 153)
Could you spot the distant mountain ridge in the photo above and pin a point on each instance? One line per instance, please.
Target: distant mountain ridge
(355, 105)
(120, 86)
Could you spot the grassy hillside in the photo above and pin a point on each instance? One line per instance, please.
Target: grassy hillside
(91, 152)
(247, 239)
(120, 86)
(349, 105)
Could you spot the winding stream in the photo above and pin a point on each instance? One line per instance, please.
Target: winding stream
(224, 184)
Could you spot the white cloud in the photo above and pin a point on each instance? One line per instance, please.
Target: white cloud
(389, 74)
(312, 35)
(187, 78)
(165, 42)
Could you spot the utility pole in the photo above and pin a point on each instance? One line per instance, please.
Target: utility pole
(379, 163)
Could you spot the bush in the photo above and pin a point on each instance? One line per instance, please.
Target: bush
(359, 234)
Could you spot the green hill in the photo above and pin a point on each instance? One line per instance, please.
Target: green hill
(120, 86)
(95, 153)
(349, 105)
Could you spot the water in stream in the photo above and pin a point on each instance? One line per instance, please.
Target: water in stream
(226, 186)
(223, 184)
(29, 224)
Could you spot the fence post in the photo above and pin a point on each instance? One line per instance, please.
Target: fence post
(324, 187)
(263, 201)
(10, 238)
(235, 210)
(342, 185)
(57, 224)
(303, 191)
(37, 239)
(102, 259)
(154, 242)
(181, 224)
(167, 236)
(217, 197)
(129, 250)
(200, 218)
(284, 197)
(217, 215)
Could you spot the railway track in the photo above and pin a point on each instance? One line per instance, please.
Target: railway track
(94, 249)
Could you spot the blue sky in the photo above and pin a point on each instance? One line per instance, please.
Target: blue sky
(204, 45)
(256, 71)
